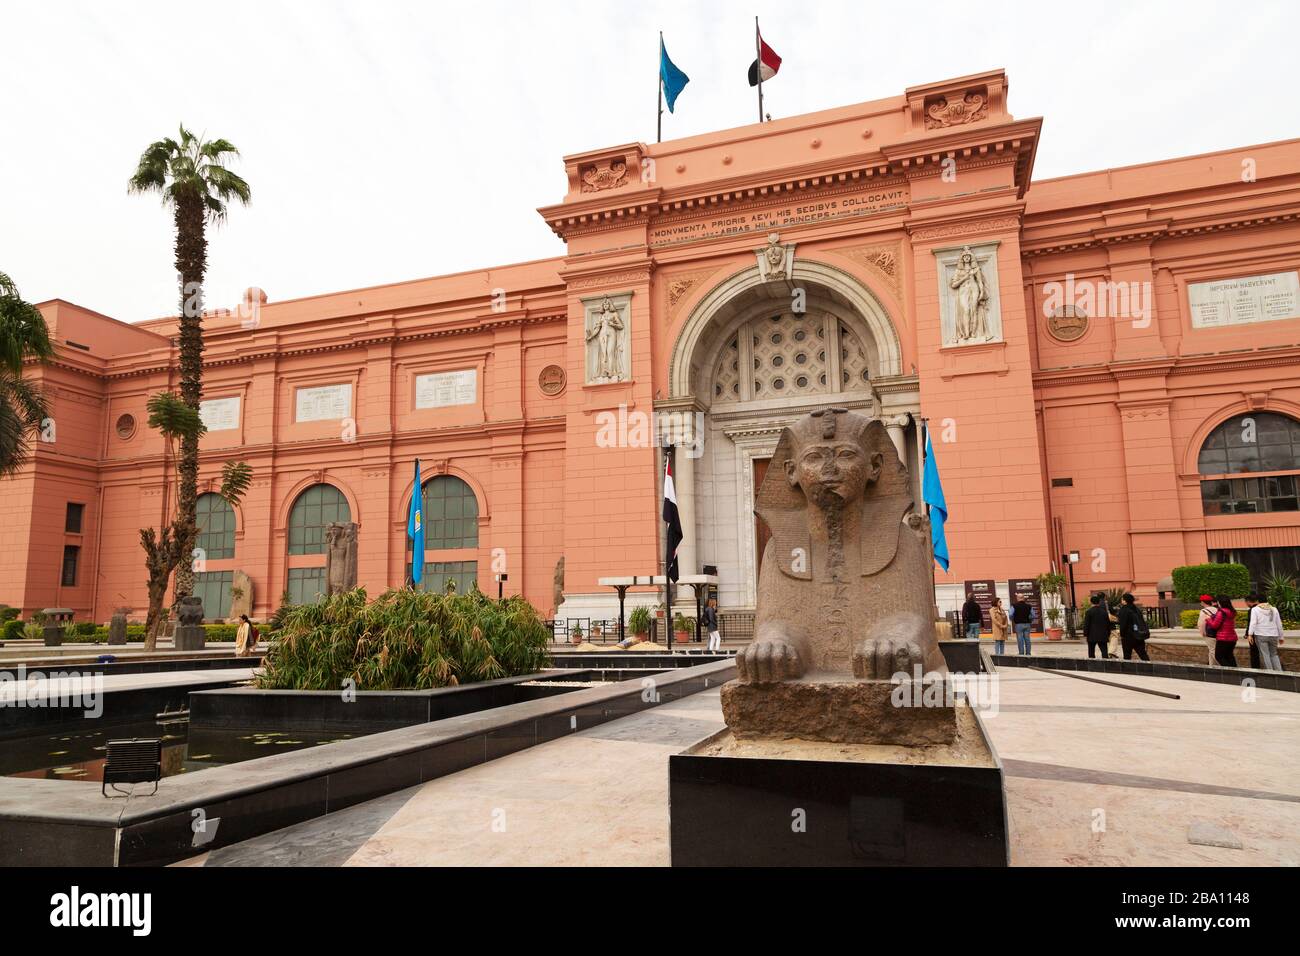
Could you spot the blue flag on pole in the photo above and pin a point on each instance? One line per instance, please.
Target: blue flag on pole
(932, 493)
(673, 79)
(415, 529)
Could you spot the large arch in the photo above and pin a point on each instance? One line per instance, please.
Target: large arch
(713, 310)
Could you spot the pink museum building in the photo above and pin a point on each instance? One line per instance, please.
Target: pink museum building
(1109, 363)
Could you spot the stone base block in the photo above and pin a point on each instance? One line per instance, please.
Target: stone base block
(849, 711)
(190, 637)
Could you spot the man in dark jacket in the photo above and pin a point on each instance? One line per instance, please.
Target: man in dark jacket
(972, 616)
(1022, 618)
(1096, 626)
(1133, 631)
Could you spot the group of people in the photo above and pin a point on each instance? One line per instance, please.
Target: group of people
(1020, 619)
(1217, 623)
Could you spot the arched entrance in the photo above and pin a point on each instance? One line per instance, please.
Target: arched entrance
(753, 356)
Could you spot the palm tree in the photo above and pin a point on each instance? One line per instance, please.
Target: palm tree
(23, 334)
(191, 176)
(169, 549)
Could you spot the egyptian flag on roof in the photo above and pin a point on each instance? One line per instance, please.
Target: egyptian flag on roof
(767, 61)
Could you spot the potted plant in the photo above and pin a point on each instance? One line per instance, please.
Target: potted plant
(1052, 586)
(575, 634)
(682, 627)
(639, 622)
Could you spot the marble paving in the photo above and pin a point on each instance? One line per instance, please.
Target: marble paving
(1097, 775)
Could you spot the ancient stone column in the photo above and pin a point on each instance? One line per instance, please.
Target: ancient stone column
(117, 627)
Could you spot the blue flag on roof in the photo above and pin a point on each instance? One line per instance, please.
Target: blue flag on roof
(932, 494)
(673, 79)
(415, 529)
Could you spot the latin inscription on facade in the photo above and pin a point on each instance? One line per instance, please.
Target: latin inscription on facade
(440, 389)
(865, 202)
(323, 403)
(1263, 298)
(220, 414)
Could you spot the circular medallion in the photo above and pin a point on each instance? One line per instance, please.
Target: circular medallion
(551, 380)
(125, 426)
(1067, 323)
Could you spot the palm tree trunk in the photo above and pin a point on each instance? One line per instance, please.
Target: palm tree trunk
(191, 265)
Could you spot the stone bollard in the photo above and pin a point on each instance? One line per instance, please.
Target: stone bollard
(117, 627)
(55, 618)
(190, 635)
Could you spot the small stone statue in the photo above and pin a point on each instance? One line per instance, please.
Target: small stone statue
(190, 635)
(117, 626)
(557, 585)
(844, 595)
(340, 556)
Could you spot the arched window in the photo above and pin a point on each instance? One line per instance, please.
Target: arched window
(450, 525)
(790, 354)
(216, 521)
(315, 508)
(450, 514)
(1255, 461)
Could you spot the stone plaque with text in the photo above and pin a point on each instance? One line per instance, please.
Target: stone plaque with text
(439, 389)
(323, 403)
(1262, 298)
(220, 414)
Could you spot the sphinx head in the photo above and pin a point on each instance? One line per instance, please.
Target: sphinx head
(831, 460)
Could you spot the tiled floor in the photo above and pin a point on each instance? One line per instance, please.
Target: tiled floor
(1096, 775)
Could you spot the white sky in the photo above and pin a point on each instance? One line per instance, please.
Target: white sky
(388, 141)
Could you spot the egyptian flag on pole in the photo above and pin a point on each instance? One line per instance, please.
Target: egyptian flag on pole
(767, 61)
(670, 515)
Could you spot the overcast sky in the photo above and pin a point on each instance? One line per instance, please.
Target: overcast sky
(388, 141)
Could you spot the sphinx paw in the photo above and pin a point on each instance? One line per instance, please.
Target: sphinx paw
(880, 658)
(769, 661)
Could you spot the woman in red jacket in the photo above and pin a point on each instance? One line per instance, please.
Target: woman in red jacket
(1224, 625)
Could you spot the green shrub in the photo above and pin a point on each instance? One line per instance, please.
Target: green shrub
(33, 631)
(638, 621)
(220, 632)
(13, 630)
(1193, 580)
(405, 639)
(81, 628)
(1188, 618)
(8, 613)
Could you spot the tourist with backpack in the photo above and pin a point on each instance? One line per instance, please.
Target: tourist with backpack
(1133, 629)
(1223, 625)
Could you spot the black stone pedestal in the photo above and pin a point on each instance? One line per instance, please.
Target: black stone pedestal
(759, 811)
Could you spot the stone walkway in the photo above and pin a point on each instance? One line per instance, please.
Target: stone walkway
(1095, 774)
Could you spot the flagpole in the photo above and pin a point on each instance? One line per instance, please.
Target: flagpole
(659, 85)
(758, 55)
(668, 560)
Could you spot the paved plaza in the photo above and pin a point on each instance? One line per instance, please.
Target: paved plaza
(1096, 775)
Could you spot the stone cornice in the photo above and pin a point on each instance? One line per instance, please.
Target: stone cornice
(1169, 366)
(1166, 228)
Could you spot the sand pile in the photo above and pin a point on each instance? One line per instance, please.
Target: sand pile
(588, 646)
(647, 646)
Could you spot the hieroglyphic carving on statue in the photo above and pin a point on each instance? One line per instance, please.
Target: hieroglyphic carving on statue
(944, 112)
(607, 175)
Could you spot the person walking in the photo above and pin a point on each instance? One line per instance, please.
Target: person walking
(1223, 624)
(1096, 627)
(244, 639)
(1001, 626)
(1264, 631)
(972, 616)
(1202, 619)
(1133, 629)
(1022, 618)
(711, 625)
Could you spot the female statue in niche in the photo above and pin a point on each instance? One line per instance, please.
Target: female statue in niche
(605, 331)
(971, 311)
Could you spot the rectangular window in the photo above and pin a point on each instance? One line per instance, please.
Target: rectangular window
(72, 520)
(1262, 563)
(71, 557)
(1236, 496)
(436, 574)
(306, 585)
(214, 589)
